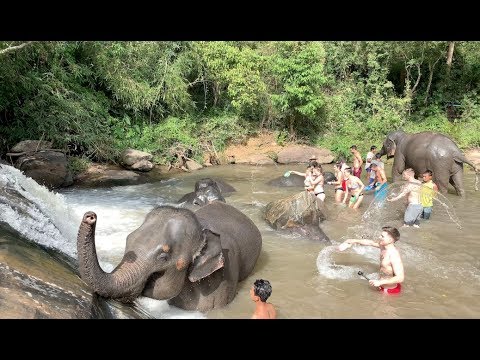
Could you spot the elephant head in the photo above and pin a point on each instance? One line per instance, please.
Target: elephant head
(206, 191)
(391, 142)
(168, 247)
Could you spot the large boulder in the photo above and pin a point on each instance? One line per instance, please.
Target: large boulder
(31, 146)
(302, 154)
(132, 159)
(301, 212)
(47, 167)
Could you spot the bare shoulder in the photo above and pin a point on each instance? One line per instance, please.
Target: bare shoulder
(272, 313)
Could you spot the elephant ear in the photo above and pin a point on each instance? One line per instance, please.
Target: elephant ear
(210, 258)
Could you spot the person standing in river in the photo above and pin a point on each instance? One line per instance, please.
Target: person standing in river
(391, 265)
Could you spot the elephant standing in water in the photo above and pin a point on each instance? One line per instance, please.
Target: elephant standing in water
(297, 180)
(193, 259)
(427, 150)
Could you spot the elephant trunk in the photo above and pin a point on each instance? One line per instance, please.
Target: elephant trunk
(382, 151)
(124, 283)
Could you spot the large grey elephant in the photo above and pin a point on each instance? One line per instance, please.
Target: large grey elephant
(427, 150)
(194, 259)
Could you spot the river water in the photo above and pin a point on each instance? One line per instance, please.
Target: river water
(309, 279)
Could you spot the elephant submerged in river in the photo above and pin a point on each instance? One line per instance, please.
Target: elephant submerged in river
(206, 190)
(427, 150)
(192, 259)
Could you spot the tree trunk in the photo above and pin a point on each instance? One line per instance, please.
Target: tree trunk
(451, 46)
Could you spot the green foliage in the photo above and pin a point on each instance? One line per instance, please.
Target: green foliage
(281, 137)
(78, 165)
(102, 97)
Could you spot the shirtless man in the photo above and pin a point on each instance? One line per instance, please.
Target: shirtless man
(413, 190)
(259, 293)
(391, 265)
(357, 161)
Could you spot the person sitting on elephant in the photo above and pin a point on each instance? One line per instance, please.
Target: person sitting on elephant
(429, 189)
(414, 208)
(259, 293)
(355, 188)
(357, 161)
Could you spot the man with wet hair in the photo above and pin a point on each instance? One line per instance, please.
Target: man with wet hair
(259, 293)
(429, 190)
(391, 265)
(412, 189)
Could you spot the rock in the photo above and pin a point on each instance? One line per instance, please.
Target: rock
(142, 165)
(473, 155)
(31, 146)
(193, 165)
(301, 154)
(256, 159)
(131, 156)
(47, 167)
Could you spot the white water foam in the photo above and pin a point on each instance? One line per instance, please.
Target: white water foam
(50, 221)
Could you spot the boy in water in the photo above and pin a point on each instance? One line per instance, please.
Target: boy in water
(429, 189)
(414, 209)
(259, 293)
(391, 265)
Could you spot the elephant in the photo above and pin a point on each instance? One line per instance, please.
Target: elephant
(297, 180)
(427, 150)
(192, 259)
(207, 189)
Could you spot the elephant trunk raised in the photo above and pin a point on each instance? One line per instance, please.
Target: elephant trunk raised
(128, 279)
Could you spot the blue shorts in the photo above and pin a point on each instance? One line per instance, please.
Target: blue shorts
(381, 192)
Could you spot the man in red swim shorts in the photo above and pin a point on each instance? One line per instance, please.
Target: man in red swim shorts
(391, 265)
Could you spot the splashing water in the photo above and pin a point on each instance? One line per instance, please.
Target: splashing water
(35, 212)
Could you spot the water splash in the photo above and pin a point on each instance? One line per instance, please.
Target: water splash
(391, 212)
(37, 213)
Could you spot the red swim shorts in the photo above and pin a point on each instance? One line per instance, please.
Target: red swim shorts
(394, 290)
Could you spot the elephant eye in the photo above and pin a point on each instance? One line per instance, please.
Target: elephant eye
(163, 256)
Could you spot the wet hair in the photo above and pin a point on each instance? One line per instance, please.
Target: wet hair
(353, 147)
(373, 147)
(312, 163)
(262, 289)
(409, 170)
(429, 172)
(348, 169)
(393, 232)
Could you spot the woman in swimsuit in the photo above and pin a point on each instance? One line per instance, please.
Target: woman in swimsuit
(339, 189)
(355, 188)
(317, 182)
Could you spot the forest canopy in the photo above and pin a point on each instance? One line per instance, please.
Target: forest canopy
(96, 98)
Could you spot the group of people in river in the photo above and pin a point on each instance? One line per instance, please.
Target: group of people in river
(349, 188)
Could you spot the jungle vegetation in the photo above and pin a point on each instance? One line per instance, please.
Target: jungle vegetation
(96, 98)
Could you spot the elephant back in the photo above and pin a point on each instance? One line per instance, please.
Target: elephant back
(238, 234)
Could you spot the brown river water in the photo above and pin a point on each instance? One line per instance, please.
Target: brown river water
(312, 279)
